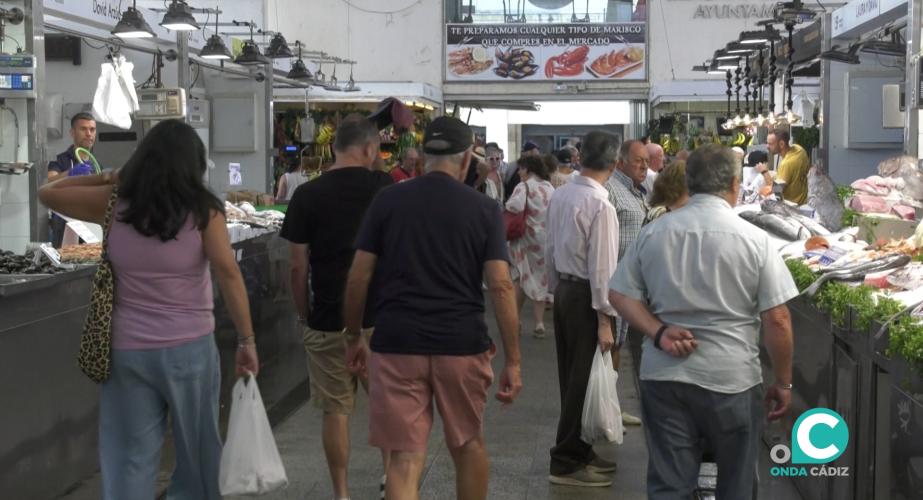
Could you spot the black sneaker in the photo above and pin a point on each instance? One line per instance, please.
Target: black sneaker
(582, 477)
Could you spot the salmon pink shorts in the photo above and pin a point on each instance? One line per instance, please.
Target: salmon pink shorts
(403, 387)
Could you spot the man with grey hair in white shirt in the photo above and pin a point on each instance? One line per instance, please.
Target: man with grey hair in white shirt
(581, 254)
(699, 284)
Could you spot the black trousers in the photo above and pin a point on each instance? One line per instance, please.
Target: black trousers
(575, 335)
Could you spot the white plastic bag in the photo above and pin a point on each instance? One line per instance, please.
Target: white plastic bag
(115, 97)
(602, 415)
(250, 462)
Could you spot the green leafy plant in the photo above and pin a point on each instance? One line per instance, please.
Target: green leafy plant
(801, 273)
(844, 192)
(906, 340)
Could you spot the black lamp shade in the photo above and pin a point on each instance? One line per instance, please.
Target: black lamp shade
(215, 49)
(132, 25)
(728, 64)
(278, 48)
(714, 70)
(179, 17)
(739, 48)
(250, 55)
(299, 71)
(722, 55)
(757, 37)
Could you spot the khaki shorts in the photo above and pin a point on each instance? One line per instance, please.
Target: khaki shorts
(403, 387)
(333, 388)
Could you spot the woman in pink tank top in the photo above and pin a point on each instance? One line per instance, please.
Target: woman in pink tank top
(166, 230)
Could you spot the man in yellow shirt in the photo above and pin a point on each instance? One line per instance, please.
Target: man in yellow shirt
(793, 169)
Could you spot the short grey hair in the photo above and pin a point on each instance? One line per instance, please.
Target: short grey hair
(600, 150)
(455, 160)
(625, 150)
(710, 169)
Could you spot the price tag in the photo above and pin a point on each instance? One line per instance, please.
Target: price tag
(51, 253)
(83, 231)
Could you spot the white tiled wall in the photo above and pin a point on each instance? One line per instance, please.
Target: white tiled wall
(14, 212)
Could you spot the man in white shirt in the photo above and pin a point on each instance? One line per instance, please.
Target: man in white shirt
(700, 284)
(656, 155)
(582, 247)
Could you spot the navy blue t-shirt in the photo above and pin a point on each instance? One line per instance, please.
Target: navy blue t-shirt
(432, 236)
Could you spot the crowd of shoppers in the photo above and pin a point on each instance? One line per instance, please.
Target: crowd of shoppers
(621, 241)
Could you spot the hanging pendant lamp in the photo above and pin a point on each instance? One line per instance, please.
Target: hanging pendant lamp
(215, 48)
(132, 24)
(179, 17)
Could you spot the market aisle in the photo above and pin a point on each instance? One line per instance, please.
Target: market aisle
(518, 437)
(518, 440)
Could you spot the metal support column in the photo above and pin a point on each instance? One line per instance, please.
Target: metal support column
(911, 117)
(823, 154)
(35, 44)
(637, 125)
(182, 61)
(270, 151)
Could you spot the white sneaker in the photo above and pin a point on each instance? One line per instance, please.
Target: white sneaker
(629, 419)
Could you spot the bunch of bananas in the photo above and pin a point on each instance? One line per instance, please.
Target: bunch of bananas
(323, 142)
(740, 139)
(670, 145)
(325, 134)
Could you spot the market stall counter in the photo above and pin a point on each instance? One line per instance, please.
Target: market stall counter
(49, 437)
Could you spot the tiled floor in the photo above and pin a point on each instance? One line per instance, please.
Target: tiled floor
(518, 437)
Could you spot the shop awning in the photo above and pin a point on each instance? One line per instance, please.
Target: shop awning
(688, 91)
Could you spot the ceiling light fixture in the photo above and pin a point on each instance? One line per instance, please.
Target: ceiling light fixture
(299, 71)
(179, 17)
(278, 48)
(215, 48)
(250, 53)
(132, 24)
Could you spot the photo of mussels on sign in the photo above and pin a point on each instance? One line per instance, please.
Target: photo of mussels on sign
(516, 63)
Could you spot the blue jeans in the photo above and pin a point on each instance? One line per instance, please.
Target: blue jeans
(146, 386)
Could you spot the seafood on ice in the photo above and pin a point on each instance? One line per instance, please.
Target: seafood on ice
(777, 225)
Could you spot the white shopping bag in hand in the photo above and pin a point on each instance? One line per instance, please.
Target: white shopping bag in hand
(250, 462)
(602, 415)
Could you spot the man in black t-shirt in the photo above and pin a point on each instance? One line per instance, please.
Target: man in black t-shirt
(431, 338)
(321, 223)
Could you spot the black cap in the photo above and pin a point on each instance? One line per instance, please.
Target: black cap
(529, 146)
(447, 136)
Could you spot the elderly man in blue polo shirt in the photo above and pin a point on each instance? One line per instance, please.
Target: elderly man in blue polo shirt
(699, 284)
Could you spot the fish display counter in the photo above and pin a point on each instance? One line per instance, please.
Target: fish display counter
(858, 348)
(54, 445)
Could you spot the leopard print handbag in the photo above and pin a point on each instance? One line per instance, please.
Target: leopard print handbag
(94, 357)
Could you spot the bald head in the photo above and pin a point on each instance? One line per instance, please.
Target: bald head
(655, 152)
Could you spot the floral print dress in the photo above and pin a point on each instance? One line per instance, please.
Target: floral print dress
(528, 252)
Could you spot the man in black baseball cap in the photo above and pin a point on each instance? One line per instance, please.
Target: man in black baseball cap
(431, 343)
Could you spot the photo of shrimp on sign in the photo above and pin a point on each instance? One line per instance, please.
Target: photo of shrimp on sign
(546, 52)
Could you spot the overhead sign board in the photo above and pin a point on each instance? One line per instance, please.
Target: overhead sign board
(546, 52)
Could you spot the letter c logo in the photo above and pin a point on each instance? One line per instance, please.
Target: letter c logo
(818, 437)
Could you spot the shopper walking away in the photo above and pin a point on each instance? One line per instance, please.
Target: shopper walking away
(582, 251)
(670, 192)
(431, 339)
(512, 172)
(568, 163)
(701, 315)
(628, 194)
(165, 230)
(532, 195)
(294, 176)
(321, 224)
